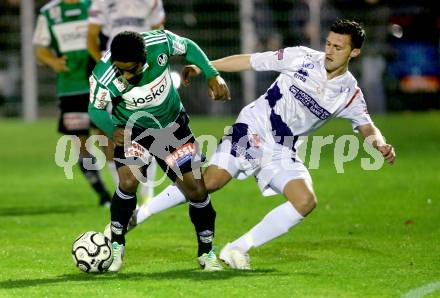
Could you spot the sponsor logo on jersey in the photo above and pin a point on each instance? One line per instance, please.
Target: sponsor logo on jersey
(181, 155)
(92, 83)
(73, 12)
(152, 94)
(309, 103)
(179, 47)
(102, 98)
(71, 36)
(301, 74)
(156, 91)
(120, 84)
(162, 59)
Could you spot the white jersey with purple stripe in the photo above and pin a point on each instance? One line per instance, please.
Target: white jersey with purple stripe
(302, 98)
(264, 139)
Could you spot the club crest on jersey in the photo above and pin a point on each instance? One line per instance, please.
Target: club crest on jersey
(162, 59)
(308, 65)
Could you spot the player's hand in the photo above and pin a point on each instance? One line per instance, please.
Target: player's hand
(118, 136)
(189, 72)
(387, 152)
(59, 64)
(218, 90)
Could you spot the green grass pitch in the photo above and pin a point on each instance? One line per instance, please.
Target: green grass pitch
(373, 234)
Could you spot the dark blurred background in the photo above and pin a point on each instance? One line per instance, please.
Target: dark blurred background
(398, 68)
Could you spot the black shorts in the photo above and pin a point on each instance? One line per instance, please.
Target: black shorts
(174, 148)
(74, 118)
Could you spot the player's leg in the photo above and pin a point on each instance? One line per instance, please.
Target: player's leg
(202, 215)
(301, 200)
(122, 207)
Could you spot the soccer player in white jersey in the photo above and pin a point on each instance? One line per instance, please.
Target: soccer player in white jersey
(108, 18)
(312, 88)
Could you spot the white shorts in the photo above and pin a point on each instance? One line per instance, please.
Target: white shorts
(272, 167)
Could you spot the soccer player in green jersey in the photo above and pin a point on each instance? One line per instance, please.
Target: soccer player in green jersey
(60, 38)
(148, 120)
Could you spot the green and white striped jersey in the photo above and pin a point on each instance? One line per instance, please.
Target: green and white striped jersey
(155, 92)
(62, 27)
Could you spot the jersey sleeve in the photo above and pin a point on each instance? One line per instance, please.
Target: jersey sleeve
(96, 13)
(192, 52)
(41, 34)
(356, 110)
(99, 99)
(157, 14)
(280, 60)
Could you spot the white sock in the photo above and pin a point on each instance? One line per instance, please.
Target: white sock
(276, 223)
(113, 171)
(171, 196)
(147, 189)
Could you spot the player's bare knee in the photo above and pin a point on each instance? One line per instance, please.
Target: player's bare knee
(212, 185)
(197, 193)
(308, 203)
(305, 203)
(129, 184)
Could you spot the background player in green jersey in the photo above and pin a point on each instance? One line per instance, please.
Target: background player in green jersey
(60, 40)
(148, 119)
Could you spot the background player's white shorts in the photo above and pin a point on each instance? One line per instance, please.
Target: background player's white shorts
(272, 168)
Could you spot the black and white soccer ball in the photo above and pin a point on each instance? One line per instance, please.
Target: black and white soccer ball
(92, 252)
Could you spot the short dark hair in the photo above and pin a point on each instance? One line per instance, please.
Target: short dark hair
(352, 28)
(128, 46)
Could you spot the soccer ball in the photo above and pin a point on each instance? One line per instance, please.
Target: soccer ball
(92, 252)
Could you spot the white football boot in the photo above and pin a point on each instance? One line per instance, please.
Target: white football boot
(118, 257)
(209, 262)
(235, 258)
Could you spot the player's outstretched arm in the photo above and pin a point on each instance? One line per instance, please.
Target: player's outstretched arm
(373, 135)
(234, 63)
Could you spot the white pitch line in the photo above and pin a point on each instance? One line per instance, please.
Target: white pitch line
(423, 290)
